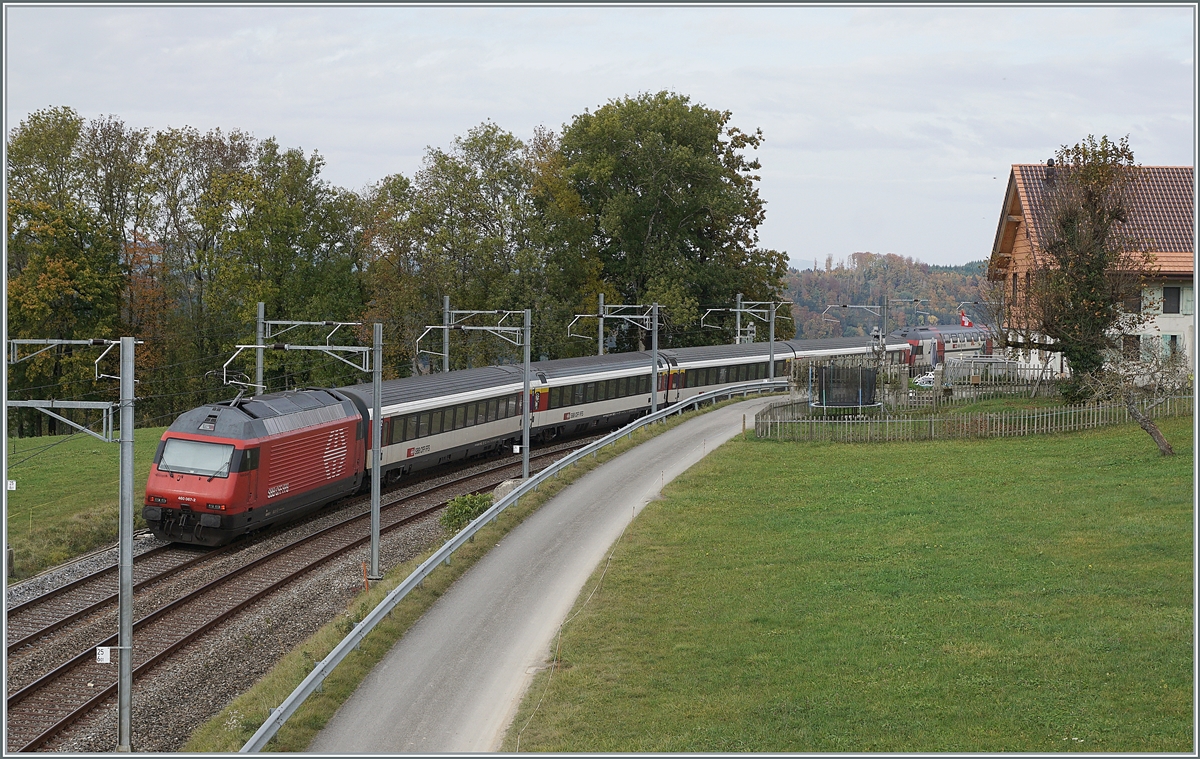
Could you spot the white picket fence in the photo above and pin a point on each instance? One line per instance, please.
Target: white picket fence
(790, 421)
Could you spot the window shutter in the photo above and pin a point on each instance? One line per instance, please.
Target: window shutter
(1187, 305)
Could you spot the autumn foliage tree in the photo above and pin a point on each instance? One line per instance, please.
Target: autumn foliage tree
(175, 235)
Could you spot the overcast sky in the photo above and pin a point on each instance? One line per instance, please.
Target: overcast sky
(886, 129)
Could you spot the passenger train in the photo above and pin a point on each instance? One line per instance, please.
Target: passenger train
(229, 468)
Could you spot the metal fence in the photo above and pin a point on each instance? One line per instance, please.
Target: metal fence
(323, 668)
(783, 421)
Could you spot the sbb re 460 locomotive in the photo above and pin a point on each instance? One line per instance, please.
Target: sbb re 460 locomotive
(206, 485)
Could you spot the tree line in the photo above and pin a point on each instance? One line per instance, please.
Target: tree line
(914, 292)
(175, 235)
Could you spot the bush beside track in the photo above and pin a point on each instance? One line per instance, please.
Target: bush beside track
(983, 595)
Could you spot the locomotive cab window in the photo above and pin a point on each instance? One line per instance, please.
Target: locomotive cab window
(247, 460)
(195, 457)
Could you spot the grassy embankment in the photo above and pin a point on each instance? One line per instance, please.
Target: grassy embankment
(66, 501)
(1030, 594)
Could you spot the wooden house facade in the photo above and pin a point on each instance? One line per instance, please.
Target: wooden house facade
(1163, 217)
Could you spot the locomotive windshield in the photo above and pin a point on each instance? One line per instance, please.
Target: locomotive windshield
(195, 457)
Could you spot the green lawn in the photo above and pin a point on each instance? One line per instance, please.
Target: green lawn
(1029, 594)
(66, 501)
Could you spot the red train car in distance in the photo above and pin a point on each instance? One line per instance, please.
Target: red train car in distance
(228, 468)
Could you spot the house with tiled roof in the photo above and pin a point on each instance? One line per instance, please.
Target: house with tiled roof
(1162, 218)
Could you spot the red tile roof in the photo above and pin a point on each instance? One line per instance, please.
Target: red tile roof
(1163, 211)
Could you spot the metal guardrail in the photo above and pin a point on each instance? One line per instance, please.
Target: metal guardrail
(323, 668)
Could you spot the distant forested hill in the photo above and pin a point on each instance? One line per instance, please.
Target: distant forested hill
(870, 278)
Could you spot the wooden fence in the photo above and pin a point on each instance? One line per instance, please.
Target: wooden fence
(782, 421)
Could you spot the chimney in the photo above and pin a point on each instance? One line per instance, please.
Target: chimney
(1049, 170)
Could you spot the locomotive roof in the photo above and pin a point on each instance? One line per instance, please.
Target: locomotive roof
(268, 414)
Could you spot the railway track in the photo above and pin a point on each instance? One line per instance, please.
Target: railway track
(45, 707)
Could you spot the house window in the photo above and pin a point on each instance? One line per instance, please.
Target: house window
(1170, 300)
(1130, 346)
(1014, 298)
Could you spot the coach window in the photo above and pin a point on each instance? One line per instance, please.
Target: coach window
(555, 397)
(491, 411)
(512, 405)
(423, 425)
(470, 421)
(435, 424)
(576, 394)
(460, 417)
(622, 387)
(410, 427)
(397, 431)
(481, 412)
(722, 373)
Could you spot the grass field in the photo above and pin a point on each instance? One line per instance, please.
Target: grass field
(1029, 594)
(66, 501)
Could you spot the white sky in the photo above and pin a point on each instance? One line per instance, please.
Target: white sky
(886, 129)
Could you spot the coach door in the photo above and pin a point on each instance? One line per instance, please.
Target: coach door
(673, 376)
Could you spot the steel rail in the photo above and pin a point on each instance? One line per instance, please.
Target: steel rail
(323, 668)
(49, 598)
(158, 615)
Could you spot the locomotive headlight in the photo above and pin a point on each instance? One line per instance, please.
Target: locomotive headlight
(216, 506)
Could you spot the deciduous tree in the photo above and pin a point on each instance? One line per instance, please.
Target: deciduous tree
(673, 203)
(1092, 264)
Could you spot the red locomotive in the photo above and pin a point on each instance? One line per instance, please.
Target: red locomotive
(207, 485)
